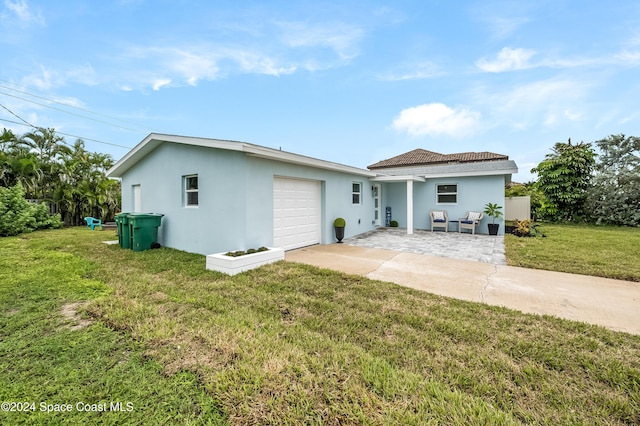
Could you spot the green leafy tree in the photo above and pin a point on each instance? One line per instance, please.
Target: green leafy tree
(564, 177)
(70, 179)
(614, 197)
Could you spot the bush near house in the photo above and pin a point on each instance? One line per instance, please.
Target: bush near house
(17, 215)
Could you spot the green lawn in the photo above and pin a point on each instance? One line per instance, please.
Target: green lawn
(287, 343)
(603, 251)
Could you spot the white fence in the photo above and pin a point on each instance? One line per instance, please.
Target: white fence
(517, 208)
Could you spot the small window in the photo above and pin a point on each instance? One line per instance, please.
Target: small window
(191, 190)
(355, 193)
(447, 194)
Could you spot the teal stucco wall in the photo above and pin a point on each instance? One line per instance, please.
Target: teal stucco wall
(235, 208)
(474, 193)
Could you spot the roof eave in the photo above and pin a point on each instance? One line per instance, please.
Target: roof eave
(498, 172)
(402, 178)
(289, 157)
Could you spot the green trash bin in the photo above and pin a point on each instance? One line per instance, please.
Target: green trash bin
(124, 231)
(144, 230)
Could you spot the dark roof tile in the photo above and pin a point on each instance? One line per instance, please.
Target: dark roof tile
(419, 157)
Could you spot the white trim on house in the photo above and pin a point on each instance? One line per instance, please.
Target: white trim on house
(399, 178)
(154, 140)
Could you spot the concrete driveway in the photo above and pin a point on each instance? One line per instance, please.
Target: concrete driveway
(614, 304)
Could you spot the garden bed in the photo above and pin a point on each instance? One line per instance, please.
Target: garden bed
(232, 265)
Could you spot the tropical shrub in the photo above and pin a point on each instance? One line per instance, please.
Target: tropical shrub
(17, 215)
(522, 228)
(564, 178)
(67, 177)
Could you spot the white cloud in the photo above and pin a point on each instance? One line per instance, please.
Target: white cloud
(550, 102)
(417, 71)
(160, 82)
(82, 74)
(507, 60)
(503, 27)
(44, 80)
(194, 64)
(191, 66)
(21, 10)
(436, 119)
(630, 58)
(341, 38)
(48, 79)
(73, 102)
(252, 62)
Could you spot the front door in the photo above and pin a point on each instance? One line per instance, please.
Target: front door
(377, 202)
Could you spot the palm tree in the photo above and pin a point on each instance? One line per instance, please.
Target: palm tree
(71, 179)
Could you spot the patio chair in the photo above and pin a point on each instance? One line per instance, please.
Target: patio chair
(92, 222)
(440, 219)
(470, 221)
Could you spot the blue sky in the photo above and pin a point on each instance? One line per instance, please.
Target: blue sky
(353, 82)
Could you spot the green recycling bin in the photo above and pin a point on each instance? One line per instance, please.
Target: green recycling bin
(144, 230)
(124, 232)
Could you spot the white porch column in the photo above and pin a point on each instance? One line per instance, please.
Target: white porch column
(409, 206)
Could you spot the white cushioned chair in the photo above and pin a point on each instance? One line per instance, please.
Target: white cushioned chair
(470, 221)
(440, 219)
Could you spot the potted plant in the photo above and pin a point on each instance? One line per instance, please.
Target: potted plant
(339, 225)
(495, 211)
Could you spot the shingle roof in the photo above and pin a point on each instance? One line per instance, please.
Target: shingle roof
(422, 156)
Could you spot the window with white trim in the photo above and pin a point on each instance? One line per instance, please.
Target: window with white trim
(356, 191)
(191, 191)
(447, 194)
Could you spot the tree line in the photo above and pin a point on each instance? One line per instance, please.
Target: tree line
(70, 180)
(583, 183)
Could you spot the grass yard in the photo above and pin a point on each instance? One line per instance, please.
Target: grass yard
(287, 343)
(603, 251)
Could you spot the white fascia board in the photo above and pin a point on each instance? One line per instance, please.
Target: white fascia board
(404, 178)
(474, 173)
(289, 157)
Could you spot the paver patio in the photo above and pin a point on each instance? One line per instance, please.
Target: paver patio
(478, 247)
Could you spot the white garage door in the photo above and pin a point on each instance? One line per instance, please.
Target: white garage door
(296, 213)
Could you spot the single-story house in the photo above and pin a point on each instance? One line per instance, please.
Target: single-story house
(218, 195)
